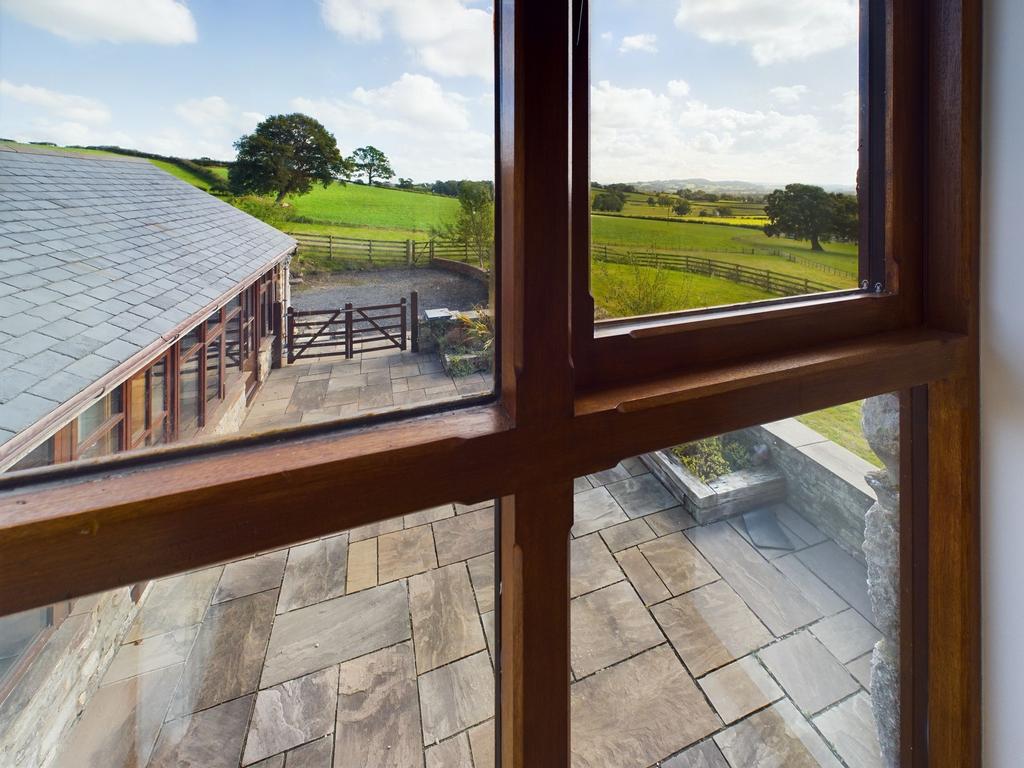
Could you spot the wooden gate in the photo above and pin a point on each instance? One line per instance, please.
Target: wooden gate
(351, 331)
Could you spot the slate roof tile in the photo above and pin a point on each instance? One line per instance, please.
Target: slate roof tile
(106, 256)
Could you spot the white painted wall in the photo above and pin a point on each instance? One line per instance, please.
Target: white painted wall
(1002, 385)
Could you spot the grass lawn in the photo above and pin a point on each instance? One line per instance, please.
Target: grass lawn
(375, 207)
(362, 232)
(181, 173)
(683, 290)
(841, 425)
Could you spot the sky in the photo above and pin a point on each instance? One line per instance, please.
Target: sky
(753, 90)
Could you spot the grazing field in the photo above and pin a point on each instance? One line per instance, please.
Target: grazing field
(682, 290)
(356, 205)
(182, 173)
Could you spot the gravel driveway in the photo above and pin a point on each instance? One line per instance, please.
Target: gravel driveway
(437, 289)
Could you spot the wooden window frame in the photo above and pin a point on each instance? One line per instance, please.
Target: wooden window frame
(92, 526)
(609, 352)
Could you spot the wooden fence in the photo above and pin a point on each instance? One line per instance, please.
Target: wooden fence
(348, 331)
(767, 280)
(384, 253)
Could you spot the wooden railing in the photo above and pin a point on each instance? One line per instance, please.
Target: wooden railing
(767, 280)
(384, 253)
(348, 331)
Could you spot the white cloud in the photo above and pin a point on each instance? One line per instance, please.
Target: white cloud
(214, 126)
(417, 100)
(678, 88)
(788, 94)
(63, 106)
(645, 43)
(447, 37)
(637, 133)
(165, 22)
(607, 36)
(849, 105)
(426, 131)
(774, 31)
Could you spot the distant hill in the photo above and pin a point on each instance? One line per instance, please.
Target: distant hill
(725, 188)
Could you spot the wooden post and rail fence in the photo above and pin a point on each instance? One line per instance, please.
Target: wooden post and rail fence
(413, 253)
(768, 280)
(384, 253)
(348, 331)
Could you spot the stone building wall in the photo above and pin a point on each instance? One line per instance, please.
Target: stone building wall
(46, 702)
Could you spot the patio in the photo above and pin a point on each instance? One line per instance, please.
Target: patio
(373, 647)
(323, 389)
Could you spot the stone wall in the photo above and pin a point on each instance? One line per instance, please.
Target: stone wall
(39, 712)
(469, 270)
(825, 482)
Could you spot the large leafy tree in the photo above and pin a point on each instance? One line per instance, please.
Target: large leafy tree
(846, 224)
(286, 154)
(373, 163)
(802, 212)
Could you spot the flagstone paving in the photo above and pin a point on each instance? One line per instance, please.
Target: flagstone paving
(329, 388)
(690, 647)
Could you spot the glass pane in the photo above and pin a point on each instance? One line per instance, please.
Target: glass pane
(188, 397)
(370, 647)
(233, 342)
(724, 153)
(190, 339)
(98, 413)
(213, 349)
(158, 383)
(394, 214)
(138, 391)
(735, 600)
(108, 444)
(17, 633)
(40, 456)
(212, 322)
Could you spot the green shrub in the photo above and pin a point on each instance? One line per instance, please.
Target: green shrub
(713, 457)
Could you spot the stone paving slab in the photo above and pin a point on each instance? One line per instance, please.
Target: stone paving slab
(445, 622)
(336, 630)
(292, 713)
(637, 712)
(228, 654)
(211, 738)
(777, 737)
(710, 626)
(252, 575)
(775, 600)
(810, 675)
(316, 571)
(456, 697)
(610, 625)
(378, 710)
(850, 726)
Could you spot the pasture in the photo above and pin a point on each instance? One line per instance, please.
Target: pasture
(374, 208)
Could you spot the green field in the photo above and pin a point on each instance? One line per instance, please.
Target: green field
(682, 291)
(181, 173)
(374, 208)
(841, 425)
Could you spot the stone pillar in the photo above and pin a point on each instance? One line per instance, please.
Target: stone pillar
(881, 424)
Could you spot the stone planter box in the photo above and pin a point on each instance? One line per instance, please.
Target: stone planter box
(726, 496)
(463, 365)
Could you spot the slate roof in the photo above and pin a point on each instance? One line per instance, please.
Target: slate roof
(101, 257)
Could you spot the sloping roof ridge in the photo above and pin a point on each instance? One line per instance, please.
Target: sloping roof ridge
(35, 149)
